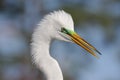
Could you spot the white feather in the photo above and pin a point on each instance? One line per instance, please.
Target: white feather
(48, 30)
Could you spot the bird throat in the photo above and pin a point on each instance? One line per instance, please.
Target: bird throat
(47, 64)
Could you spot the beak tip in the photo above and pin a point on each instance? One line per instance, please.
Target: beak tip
(84, 44)
(98, 52)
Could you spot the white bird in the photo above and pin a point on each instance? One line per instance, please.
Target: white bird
(56, 25)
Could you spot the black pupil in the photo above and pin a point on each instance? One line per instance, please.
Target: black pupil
(64, 30)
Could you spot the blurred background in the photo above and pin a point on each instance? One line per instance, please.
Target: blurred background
(97, 21)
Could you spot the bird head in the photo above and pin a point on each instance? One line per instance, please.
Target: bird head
(61, 27)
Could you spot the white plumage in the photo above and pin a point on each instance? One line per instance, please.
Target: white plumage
(56, 25)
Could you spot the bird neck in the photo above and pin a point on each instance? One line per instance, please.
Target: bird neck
(43, 60)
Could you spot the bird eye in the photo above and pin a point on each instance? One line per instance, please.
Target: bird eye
(63, 30)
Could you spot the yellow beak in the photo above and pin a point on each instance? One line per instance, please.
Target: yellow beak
(81, 42)
(84, 44)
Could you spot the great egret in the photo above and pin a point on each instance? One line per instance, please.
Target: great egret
(56, 25)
